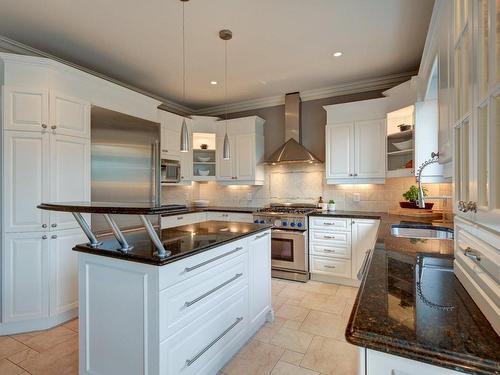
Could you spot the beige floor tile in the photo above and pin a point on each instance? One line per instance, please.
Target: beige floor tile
(292, 357)
(292, 312)
(267, 332)
(9, 346)
(23, 355)
(331, 357)
(256, 358)
(9, 368)
(45, 340)
(291, 339)
(277, 302)
(348, 309)
(284, 368)
(292, 324)
(292, 293)
(318, 287)
(324, 302)
(347, 291)
(72, 325)
(60, 359)
(324, 324)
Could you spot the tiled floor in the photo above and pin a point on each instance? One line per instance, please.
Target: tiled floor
(306, 338)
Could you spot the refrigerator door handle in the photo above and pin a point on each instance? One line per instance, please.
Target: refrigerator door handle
(156, 174)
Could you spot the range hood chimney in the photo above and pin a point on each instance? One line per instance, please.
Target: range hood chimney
(292, 151)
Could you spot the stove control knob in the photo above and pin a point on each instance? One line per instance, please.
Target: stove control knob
(261, 221)
(299, 225)
(256, 221)
(284, 223)
(292, 224)
(277, 223)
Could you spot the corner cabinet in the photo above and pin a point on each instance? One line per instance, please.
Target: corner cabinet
(246, 142)
(355, 142)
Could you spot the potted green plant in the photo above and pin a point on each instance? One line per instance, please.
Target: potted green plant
(331, 205)
(411, 197)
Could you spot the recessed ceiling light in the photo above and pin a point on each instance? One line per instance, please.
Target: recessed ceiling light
(337, 54)
(213, 82)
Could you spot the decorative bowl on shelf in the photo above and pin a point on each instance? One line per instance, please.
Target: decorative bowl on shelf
(203, 146)
(406, 145)
(203, 158)
(204, 172)
(404, 127)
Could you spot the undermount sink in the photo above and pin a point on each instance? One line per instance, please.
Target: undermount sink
(421, 231)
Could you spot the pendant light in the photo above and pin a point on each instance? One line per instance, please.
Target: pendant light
(225, 35)
(184, 147)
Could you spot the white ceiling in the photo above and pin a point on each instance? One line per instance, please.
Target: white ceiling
(278, 46)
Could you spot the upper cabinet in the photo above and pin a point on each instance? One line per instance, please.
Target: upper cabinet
(246, 143)
(355, 142)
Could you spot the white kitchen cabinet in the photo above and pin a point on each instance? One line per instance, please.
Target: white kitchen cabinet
(170, 133)
(25, 181)
(25, 109)
(182, 219)
(364, 237)
(25, 276)
(69, 116)
(246, 140)
(230, 216)
(340, 151)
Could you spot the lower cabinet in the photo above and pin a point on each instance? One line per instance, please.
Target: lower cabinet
(39, 279)
(230, 216)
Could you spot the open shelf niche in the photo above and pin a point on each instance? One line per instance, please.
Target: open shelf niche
(204, 159)
(399, 159)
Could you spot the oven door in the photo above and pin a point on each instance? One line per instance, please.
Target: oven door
(288, 249)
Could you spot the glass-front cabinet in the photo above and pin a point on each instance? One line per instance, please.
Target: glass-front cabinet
(477, 110)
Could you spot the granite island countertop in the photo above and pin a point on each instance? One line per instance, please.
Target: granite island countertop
(411, 304)
(190, 209)
(182, 241)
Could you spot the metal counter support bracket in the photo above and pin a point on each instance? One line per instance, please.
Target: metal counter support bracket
(86, 229)
(161, 253)
(124, 246)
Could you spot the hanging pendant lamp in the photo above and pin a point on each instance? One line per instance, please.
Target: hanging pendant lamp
(225, 35)
(184, 147)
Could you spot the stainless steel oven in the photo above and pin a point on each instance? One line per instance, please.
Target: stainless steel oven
(289, 254)
(170, 171)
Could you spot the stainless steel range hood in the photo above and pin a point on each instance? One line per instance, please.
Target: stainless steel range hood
(292, 151)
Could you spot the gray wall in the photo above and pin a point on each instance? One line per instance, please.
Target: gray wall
(313, 121)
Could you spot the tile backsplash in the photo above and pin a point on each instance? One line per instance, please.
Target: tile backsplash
(305, 183)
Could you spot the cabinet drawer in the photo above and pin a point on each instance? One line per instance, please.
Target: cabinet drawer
(182, 219)
(183, 269)
(342, 224)
(203, 343)
(187, 300)
(331, 266)
(331, 237)
(230, 216)
(330, 251)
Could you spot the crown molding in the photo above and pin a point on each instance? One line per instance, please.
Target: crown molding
(380, 83)
(11, 46)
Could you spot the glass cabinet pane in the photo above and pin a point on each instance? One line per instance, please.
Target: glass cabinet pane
(465, 74)
(483, 37)
(495, 150)
(482, 156)
(496, 27)
(458, 85)
(462, 170)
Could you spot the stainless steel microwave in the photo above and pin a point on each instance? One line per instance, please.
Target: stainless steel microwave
(170, 171)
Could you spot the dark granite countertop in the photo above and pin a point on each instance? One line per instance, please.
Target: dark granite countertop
(411, 304)
(190, 209)
(182, 241)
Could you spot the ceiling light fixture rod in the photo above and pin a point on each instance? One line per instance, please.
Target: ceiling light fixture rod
(225, 35)
(184, 146)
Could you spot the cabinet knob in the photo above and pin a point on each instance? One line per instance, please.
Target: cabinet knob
(180, 218)
(355, 174)
(53, 225)
(44, 237)
(44, 126)
(350, 174)
(54, 236)
(44, 225)
(53, 127)
(164, 150)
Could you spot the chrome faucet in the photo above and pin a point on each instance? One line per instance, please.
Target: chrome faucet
(433, 159)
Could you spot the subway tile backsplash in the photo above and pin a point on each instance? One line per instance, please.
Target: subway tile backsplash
(305, 183)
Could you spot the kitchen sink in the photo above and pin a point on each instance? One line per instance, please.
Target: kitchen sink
(421, 231)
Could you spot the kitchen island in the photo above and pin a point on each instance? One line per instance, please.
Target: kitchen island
(185, 312)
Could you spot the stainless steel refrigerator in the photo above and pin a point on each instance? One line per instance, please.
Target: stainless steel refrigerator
(125, 164)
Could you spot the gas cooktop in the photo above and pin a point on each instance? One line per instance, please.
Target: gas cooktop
(285, 216)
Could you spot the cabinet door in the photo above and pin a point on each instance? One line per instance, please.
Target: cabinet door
(26, 181)
(260, 275)
(25, 109)
(170, 141)
(64, 270)
(70, 176)
(69, 116)
(244, 152)
(340, 150)
(25, 279)
(370, 149)
(225, 169)
(186, 159)
(364, 236)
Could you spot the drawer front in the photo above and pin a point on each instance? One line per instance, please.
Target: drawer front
(204, 342)
(219, 216)
(342, 224)
(183, 269)
(182, 219)
(183, 302)
(331, 266)
(230, 216)
(331, 237)
(330, 251)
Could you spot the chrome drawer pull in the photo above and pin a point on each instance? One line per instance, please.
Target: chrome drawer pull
(328, 251)
(326, 223)
(179, 218)
(261, 235)
(329, 237)
(189, 362)
(472, 254)
(327, 266)
(189, 269)
(235, 277)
